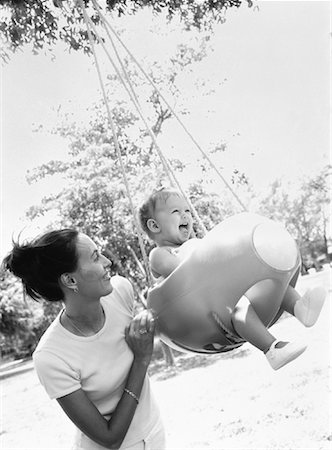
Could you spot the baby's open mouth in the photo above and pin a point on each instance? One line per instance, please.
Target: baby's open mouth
(107, 275)
(183, 227)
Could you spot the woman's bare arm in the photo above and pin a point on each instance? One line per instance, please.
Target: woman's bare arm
(83, 413)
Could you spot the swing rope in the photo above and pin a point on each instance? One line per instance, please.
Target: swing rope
(131, 92)
(132, 95)
(167, 167)
(175, 115)
(117, 146)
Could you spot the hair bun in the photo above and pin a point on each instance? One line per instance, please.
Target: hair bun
(21, 261)
(41, 262)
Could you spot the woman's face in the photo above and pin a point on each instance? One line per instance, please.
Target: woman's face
(92, 275)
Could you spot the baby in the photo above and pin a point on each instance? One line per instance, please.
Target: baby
(166, 218)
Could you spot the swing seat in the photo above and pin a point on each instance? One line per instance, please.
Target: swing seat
(246, 254)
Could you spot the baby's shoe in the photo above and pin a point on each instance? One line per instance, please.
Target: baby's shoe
(280, 356)
(308, 308)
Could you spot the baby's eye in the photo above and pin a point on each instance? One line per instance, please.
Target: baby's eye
(175, 211)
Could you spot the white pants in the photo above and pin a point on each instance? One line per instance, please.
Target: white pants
(155, 440)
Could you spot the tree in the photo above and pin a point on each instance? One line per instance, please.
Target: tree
(319, 187)
(44, 22)
(94, 198)
(302, 211)
(21, 322)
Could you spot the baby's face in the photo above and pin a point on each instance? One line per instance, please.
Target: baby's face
(174, 219)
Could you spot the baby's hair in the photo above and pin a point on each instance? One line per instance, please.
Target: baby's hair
(147, 210)
(41, 262)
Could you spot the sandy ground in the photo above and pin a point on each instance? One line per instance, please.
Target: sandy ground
(234, 401)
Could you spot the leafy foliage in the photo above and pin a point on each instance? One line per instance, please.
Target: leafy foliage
(43, 23)
(94, 198)
(21, 322)
(305, 215)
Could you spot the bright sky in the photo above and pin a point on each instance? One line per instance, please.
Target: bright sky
(270, 69)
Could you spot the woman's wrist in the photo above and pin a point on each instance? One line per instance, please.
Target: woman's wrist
(143, 361)
(132, 394)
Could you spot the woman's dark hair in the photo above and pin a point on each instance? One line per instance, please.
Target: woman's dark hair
(41, 262)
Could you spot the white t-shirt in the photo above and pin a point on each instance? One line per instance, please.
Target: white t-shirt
(97, 364)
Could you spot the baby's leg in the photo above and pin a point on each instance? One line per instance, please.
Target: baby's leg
(249, 326)
(306, 308)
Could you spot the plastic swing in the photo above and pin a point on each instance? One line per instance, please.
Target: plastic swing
(246, 254)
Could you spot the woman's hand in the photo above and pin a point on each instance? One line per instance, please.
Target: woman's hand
(79, 408)
(139, 336)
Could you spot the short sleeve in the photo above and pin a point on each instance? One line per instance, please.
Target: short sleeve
(55, 375)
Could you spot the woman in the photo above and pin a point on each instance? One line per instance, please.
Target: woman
(94, 356)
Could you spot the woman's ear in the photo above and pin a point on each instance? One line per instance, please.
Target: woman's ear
(68, 281)
(153, 226)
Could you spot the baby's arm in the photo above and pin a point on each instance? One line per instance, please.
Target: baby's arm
(163, 262)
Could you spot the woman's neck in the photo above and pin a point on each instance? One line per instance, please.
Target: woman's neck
(83, 323)
(84, 312)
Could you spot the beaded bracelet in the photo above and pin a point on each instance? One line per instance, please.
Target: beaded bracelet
(132, 394)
